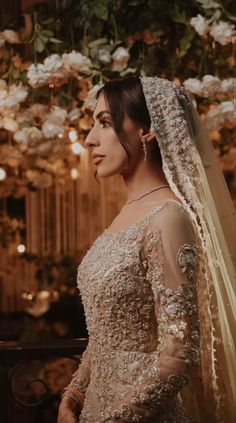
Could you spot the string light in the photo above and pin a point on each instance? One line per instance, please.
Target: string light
(74, 173)
(76, 148)
(73, 135)
(21, 248)
(2, 174)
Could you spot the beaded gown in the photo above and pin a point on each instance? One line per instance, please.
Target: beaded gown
(139, 290)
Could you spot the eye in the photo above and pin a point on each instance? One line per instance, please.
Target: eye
(104, 123)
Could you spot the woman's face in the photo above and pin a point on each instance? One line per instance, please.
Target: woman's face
(103, 140)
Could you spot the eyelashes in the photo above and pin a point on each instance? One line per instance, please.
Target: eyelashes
(104, 122)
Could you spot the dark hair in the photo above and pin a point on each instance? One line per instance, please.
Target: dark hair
(125, 96)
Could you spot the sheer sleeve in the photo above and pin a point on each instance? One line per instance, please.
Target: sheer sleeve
(80, 378)
(169, 258)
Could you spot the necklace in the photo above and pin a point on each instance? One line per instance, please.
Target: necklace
(146, 193)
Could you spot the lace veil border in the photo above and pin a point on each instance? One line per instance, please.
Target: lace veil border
(194, 174)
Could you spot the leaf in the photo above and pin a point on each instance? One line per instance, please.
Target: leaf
(178, 15)
(101, 11)
(55, 40)
(186, 42)
(47, 33)
(209, 4)
(97, 42)
(216, 15)
(39, 44)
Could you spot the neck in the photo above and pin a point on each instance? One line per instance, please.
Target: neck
(145, 177)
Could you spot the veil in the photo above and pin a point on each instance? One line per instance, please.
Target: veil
(193, 172)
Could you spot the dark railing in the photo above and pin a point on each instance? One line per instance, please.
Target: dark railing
(24, 397)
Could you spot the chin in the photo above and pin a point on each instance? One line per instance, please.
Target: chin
(106, 173)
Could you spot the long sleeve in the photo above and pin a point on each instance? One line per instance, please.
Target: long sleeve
(80, 378)
(169, 258)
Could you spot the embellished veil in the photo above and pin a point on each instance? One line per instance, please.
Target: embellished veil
(192, 170)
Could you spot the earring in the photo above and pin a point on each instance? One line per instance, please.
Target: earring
(144, 148)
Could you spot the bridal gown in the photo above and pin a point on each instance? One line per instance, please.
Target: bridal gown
(138, 286)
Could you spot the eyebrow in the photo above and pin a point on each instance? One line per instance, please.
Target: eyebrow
(101, 113)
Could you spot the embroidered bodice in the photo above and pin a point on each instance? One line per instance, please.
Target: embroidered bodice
(139, 290)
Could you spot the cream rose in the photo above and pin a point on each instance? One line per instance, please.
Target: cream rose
(77, 61)
(53, 63)
(52, 129)
(193, 85)
(90, 100)
(120, 59)
(222, 32)
(210, 85)
(38, 75)
(200, 25)
(228, 85)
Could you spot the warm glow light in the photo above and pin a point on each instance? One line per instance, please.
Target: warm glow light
(76, 148)
(73, 135)
(61, 135)
(21, 248)
(74, 173)
(2, 174)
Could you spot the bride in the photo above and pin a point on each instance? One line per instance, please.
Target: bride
(158, 284)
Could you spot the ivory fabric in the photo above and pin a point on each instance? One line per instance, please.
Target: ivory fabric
(139, 287)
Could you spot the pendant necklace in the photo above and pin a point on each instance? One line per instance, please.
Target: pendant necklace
(146, 193)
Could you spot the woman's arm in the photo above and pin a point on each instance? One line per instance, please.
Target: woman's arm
(169, 255)
(80, 379)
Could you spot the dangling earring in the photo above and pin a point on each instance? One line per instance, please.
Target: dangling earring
(144, 148)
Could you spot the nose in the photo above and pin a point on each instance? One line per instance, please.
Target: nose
(91, 139)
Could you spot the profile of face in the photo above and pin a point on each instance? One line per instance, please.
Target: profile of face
(103, 140)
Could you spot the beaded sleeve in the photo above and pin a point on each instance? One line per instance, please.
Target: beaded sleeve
(169, 258)
(80, 379)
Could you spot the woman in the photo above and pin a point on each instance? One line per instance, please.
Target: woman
(157, 284)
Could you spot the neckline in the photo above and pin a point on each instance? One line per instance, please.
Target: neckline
(142, 218)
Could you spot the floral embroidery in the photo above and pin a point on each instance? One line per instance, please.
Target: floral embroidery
(133, 316)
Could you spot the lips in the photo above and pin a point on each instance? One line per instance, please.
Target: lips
(97, 159)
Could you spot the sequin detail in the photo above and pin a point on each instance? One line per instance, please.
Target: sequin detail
(139, 294)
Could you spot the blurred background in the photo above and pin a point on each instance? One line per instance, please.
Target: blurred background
(54, 55)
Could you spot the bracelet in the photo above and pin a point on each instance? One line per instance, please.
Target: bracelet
(74, 393)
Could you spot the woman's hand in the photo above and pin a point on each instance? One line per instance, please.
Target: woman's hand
(68, 411)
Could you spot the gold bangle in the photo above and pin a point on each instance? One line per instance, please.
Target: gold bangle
(76, 392)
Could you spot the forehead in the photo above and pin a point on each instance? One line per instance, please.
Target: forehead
(101, 104)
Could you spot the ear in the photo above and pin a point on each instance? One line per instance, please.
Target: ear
(149, 136)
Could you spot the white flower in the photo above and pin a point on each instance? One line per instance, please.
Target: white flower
(37, 75)
(77, 61)
(104, 55)
(120, 59)
(57, 114)
(9, 102)
(90, 100)
(38, 110)
(24, 117)
(228, 109)
(222, 32)
(216, 117)
(210, 85)
(74, 114)
(200, 25)
(193, 85)
(19, 92)
(28, 135)
(228, 85)
(9, 124)
(52, 129)
(53, 63)
(11, 37)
